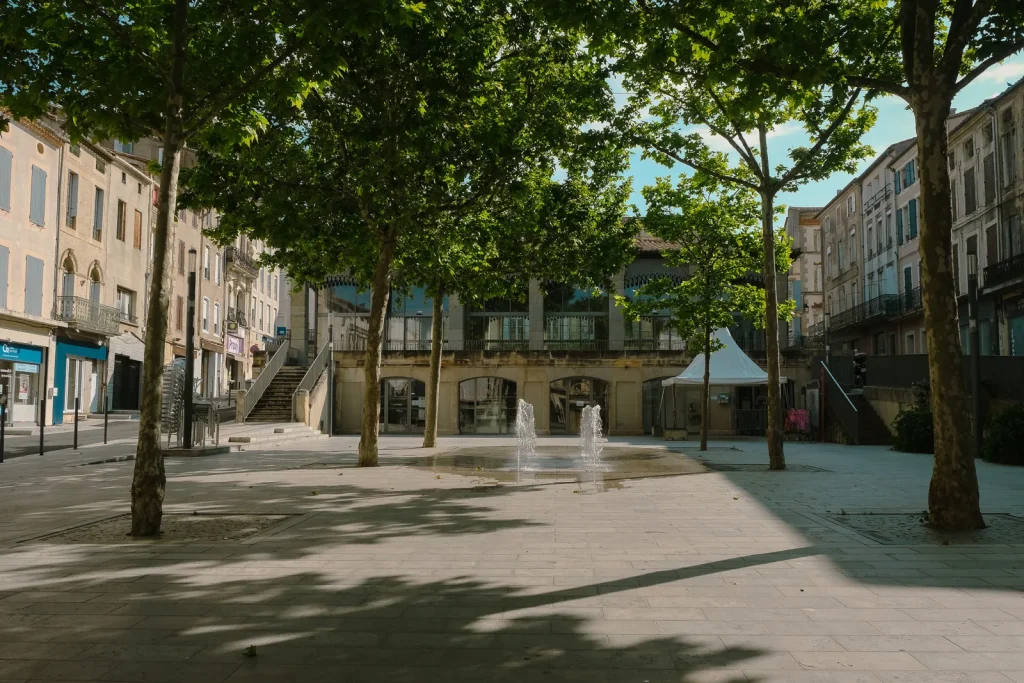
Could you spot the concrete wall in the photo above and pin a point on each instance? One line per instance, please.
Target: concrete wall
(888, 402)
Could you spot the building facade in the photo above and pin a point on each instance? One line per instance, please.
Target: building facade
(806, 277)
(560, 348)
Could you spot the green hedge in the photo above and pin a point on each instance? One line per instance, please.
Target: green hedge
(914, 431)
(1004, 442)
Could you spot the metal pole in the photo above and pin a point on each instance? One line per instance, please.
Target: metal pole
(330, 379)
(106, 414)
(972, 297)
(75, 445)
(3, 421)
(42, 423)
(190, 352)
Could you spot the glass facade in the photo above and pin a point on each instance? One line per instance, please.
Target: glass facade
(403, 406)
(499, 324)
(575, 318)
(487, 405)
(568, 398)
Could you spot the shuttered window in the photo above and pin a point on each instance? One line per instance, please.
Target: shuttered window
(912, 209)
(181, 257)
(37, 204)
(72, 217)
(990, 179)
(33, 286)
(6, 164)
(97, 215)
(899, 226)
(5, 257)
(137, 238)
(122, 219)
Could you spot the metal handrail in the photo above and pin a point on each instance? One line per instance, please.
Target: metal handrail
(318, 365)
(830, 390)
(258, 387)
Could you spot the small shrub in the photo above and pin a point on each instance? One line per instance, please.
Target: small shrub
(1004, 443)
(914, 430)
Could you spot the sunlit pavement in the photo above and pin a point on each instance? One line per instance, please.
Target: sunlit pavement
(394, 574)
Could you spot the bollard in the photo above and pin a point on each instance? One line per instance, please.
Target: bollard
(3, 420)
(42, 423)
(106, 418)
(75, 446)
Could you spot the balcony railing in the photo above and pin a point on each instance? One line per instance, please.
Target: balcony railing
(237, 317)
(87, 315)
(127, 317)
(879, 306)
(910, 301)
(234, 256)
(876, 199)
(1004, 271)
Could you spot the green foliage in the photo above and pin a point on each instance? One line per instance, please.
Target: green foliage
(1004, 442)
(714, 227)
(914, 425)
(107, 63)
(437, 131)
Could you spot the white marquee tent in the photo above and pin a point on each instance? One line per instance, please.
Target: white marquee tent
(730, 366)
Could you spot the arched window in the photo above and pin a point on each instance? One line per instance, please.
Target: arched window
(402, 405)
(68, 283)
(487, 405)
(569, 396)
(94, 285)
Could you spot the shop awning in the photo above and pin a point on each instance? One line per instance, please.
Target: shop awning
(730, 366)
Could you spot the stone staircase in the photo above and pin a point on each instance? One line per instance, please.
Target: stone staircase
(276, 403)
(871, 427)
(267, 435)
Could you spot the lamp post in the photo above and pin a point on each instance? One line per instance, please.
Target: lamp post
(974, 340)
(190, 351)
(828, 341)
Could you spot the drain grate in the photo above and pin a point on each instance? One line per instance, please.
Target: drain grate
(757, 467)
(176, 528)
(900, 528)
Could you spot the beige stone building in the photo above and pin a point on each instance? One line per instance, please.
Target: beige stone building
(561, 349)
(30, 172)
(805, 276)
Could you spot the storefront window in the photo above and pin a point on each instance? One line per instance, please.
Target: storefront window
(19, 382)
(499, 324)
(568, 399)
(487, 405)
(575, 318)
(403, 406)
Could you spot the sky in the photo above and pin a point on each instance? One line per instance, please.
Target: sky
(895, 123)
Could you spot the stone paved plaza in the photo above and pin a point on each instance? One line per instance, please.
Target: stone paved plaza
(403, 574)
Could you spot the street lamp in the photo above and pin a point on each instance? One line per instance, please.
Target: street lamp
(974, 341)
(190, 351)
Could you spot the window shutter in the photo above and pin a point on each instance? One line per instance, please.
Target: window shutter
(798, 295)
(97, 213)
(899, 226)
(72, 199)
(5, 255)
(137, 239)
(33, 286)
(37, 204)
(896, 181)
(912, 207)
(990, 178)
(6, 164)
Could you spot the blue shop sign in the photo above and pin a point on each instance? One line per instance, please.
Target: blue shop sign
(25, 354)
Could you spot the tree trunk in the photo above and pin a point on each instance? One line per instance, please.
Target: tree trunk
(434, 383)
(374, 348)
(705, 399)
(776, 456)
(150, 479)
(953, 500)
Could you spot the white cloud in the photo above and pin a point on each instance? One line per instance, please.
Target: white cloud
(1004, 72)
(787, 128)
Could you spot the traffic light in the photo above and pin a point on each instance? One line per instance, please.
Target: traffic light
(860, 369)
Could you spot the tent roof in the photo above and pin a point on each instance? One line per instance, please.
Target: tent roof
(730, 366)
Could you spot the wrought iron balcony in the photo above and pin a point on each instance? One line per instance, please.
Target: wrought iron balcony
(1004, 271)
(237, 258)
(876, 199)
(87, 316)
(127, 317)
(866, 311)
(910, 301)
(237, 317)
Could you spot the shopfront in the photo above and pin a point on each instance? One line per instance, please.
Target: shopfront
(78, 367)
(21, 370)
(235, 348)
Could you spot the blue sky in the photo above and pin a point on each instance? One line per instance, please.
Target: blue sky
(895, 122)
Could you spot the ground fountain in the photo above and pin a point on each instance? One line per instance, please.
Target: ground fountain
(591, 441)
(526, 437)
